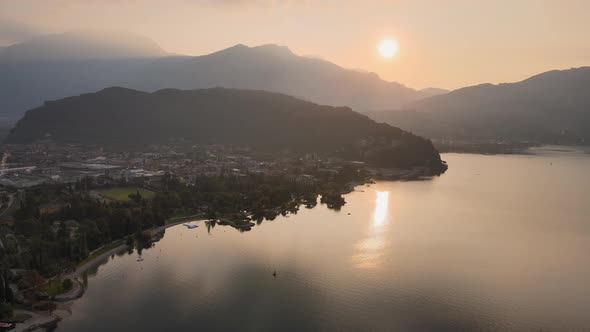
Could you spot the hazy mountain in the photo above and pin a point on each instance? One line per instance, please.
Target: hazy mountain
(430, 92)
(27, 85)
(264, 120)
(81, 45)
(275, 68)
(57, 66)
(550, 107)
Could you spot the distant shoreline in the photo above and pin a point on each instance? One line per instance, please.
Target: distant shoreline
(510, 149)
(489, 148)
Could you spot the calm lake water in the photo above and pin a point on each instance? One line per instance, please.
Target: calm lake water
(496, 243)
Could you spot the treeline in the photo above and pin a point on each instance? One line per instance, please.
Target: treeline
(82, 225)
(234, 195)
(50, 242)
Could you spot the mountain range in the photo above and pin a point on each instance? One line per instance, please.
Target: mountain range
(552, 107)
(79, 45)
(57, 66)
(120, 117)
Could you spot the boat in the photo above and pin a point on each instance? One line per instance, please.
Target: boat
(190, 226)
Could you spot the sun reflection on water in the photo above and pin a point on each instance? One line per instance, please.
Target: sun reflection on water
(370, 250)
(380, 208)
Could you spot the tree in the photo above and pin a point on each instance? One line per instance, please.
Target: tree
(136, 197)
(67, 284)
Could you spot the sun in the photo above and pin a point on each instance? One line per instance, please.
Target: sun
(388, 48)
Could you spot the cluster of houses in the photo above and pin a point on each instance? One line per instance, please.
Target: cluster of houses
(25, 166)
(32, 165)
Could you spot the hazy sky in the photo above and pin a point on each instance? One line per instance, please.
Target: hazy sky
(443, 43)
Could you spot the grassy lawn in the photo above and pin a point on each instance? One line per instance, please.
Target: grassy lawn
(122, 193)
(54, 287)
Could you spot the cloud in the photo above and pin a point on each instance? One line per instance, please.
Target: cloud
(12, 31)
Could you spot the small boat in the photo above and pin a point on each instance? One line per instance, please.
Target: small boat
(140, 259)
(189, 226)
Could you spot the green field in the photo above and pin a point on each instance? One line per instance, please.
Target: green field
(122, 193)
(54, 287)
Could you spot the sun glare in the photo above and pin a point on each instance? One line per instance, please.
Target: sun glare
(388, 48)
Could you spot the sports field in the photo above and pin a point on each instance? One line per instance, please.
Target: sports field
(122, 193)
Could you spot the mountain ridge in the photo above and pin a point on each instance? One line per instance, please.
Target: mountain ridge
(82, 45)
(53, 75)
(550, 107)
(263, 120)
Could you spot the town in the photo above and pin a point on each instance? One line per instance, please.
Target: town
(26, 166)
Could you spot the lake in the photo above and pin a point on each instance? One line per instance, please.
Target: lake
(496, 243)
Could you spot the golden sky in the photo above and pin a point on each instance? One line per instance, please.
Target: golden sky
(442, 43)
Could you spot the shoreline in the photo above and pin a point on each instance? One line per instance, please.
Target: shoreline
(88, 265)
(36, 321)
(41, 319)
